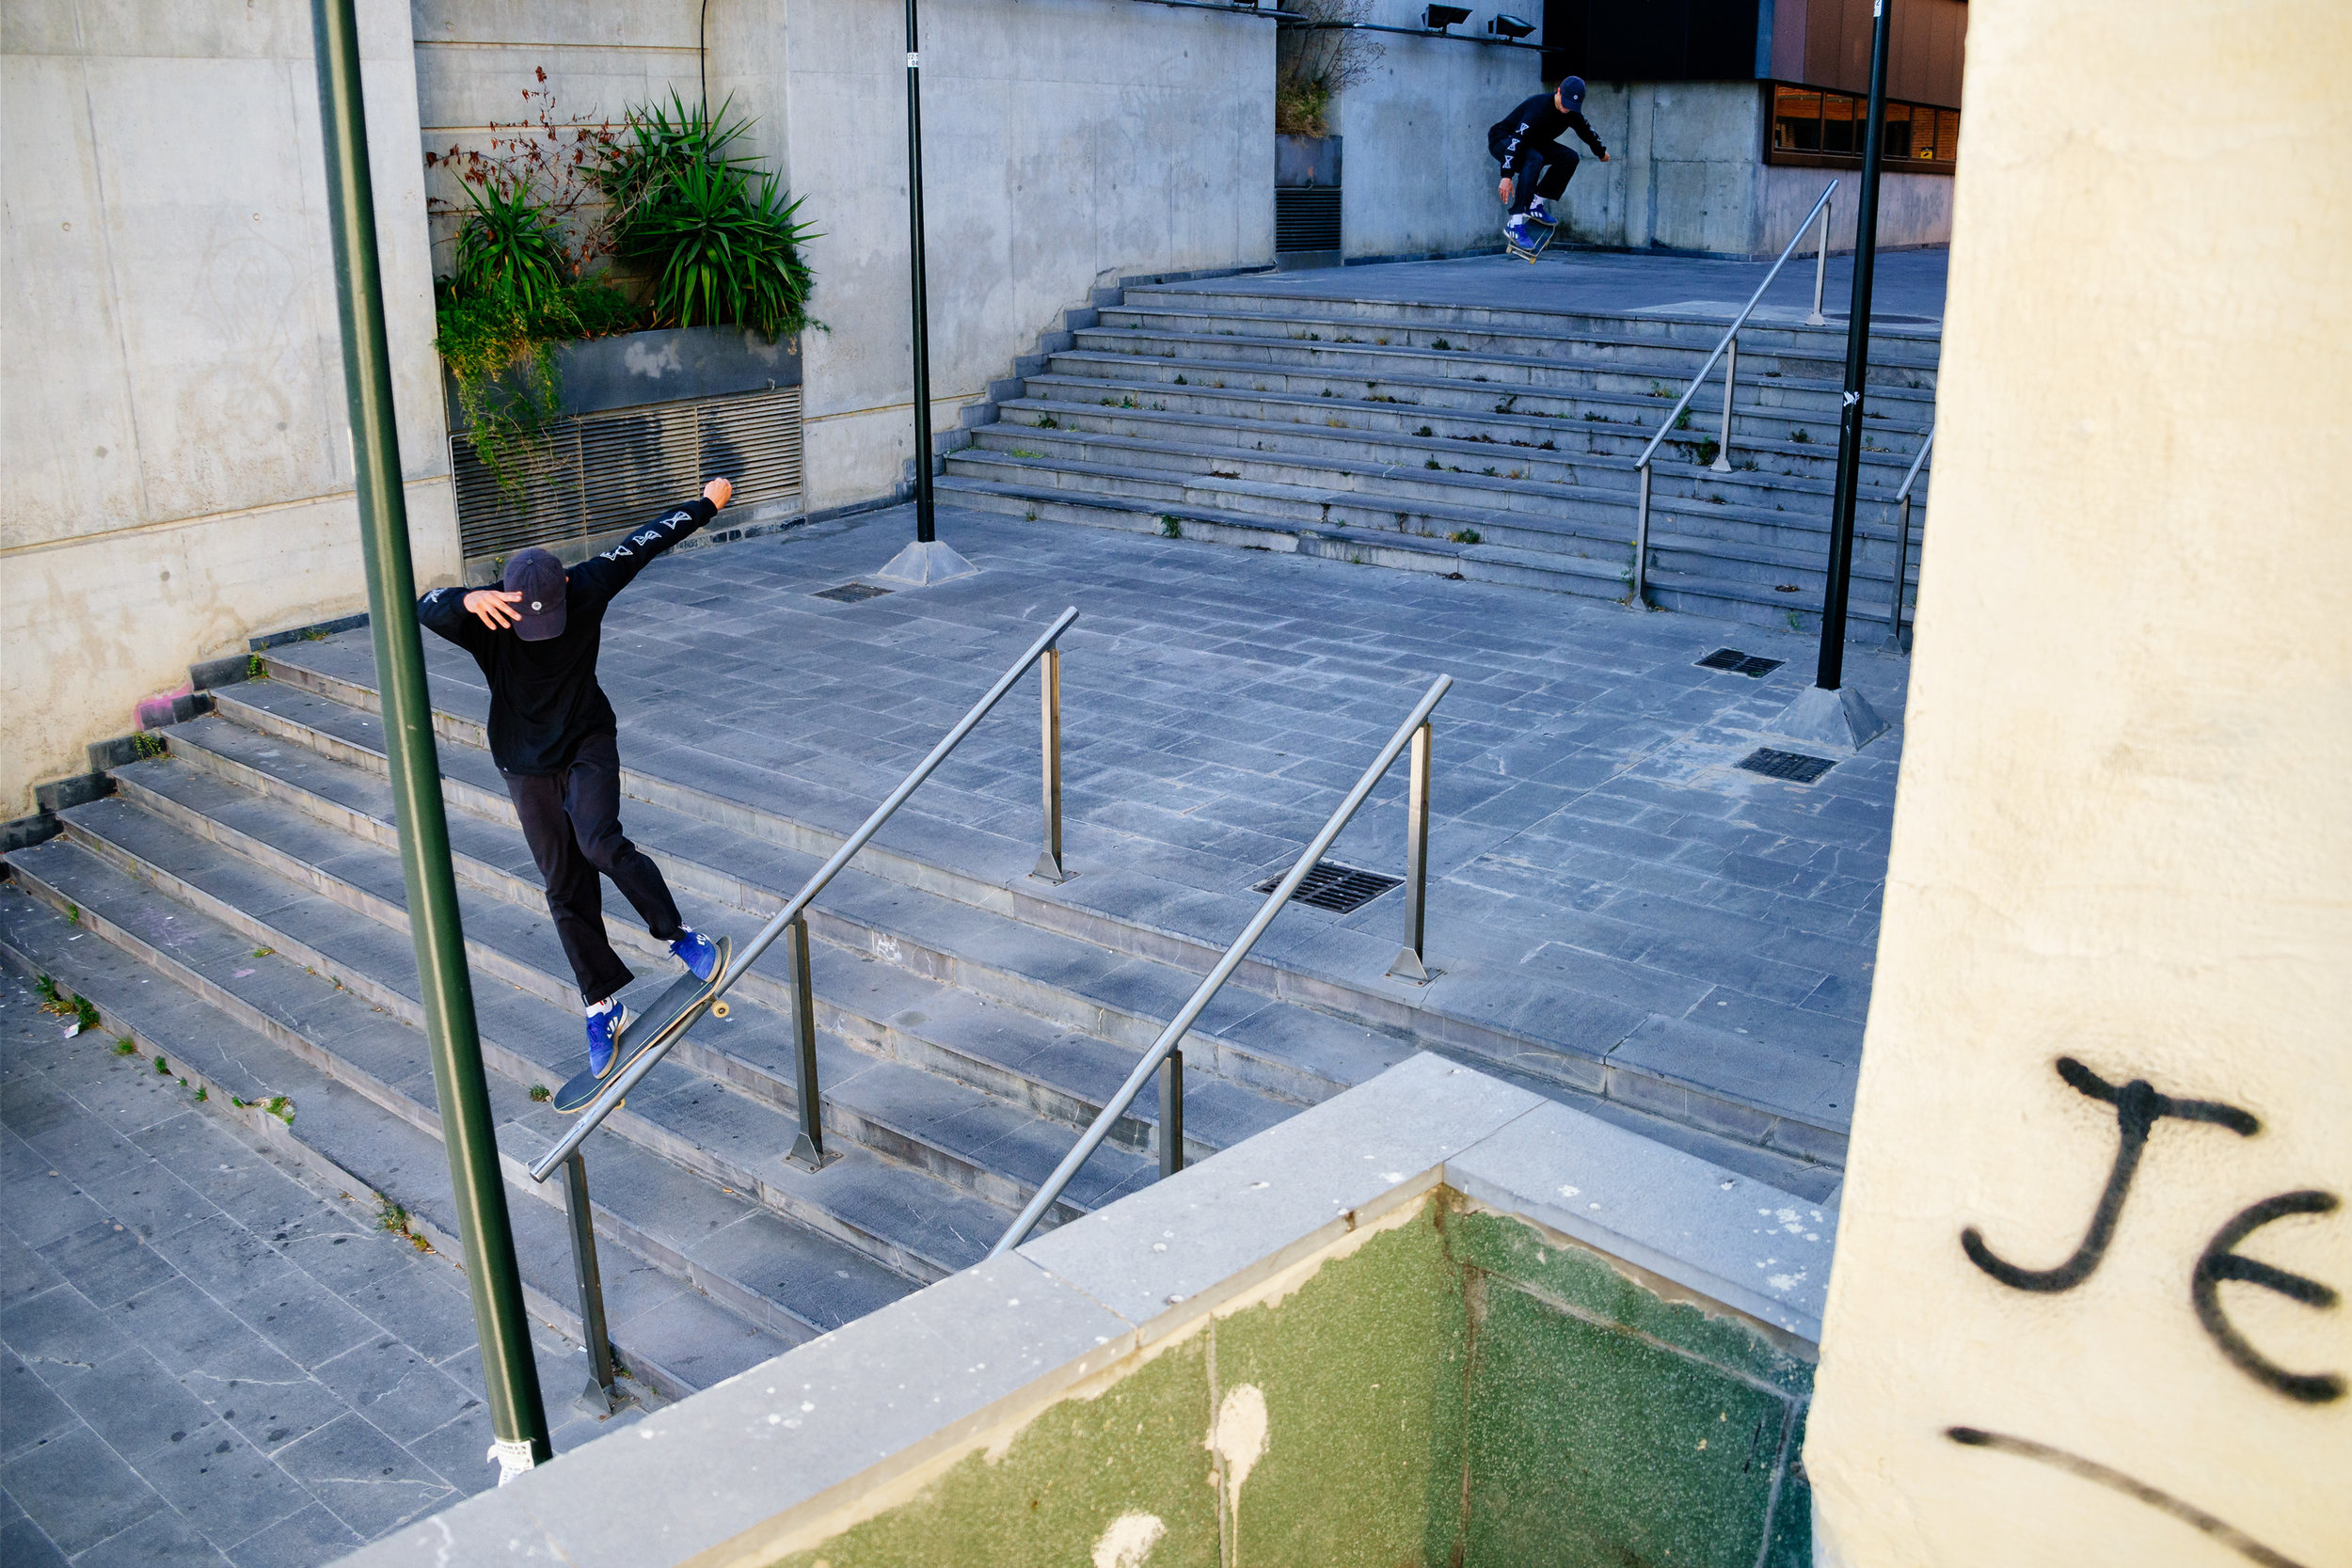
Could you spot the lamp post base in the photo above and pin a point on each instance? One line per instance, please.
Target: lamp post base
(919, 565)
(1843, 719)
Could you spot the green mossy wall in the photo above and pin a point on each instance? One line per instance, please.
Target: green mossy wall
(1460, 1391)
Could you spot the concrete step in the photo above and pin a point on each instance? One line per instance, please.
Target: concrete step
(1594, 338)
(911, 1223)
(1331, 452)
(1786, 1114)
(1361, 361)
(1043, 1069)
(1059, 1019)
(1273, 304)
(1569, 392)
(1179, 482)
(1388, 432)
(699, 1284)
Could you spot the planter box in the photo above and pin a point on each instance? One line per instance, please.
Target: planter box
(668, 364)
(644, 417)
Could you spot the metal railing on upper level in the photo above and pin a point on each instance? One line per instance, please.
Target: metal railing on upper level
(1410, 964)
(1902, 542)
(808, 1148)
(1730, 345)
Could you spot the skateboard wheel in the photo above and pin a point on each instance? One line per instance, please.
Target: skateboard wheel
(718, 1009)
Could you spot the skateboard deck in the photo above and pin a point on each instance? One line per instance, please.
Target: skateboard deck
(673, 1013)
(1522, 252)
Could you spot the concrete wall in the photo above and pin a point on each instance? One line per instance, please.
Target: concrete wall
(1686, 173)
(174, 472)
(1418, 179)
(2121, 833)
(1067, 142)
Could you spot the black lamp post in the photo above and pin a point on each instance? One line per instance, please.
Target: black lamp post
(1827, 712)
(926, 561)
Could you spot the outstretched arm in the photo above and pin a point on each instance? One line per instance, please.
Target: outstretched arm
(616, 568)
(1584, 127)
(466, 616)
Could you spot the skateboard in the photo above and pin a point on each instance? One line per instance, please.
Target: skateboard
(1544, 229)
(673, 1013)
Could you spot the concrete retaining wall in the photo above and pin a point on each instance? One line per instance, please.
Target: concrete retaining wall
(1686, 174)
(174, 473)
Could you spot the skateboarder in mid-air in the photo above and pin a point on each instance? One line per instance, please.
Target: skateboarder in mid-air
(1535, 167)
(555, 740)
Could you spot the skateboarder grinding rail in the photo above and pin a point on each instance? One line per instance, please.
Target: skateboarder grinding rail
(1535, 167)
(555, 740)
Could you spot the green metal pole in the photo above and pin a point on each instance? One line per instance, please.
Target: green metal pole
(516, 1415)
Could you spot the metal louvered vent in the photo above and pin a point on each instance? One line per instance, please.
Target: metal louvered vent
(594, 474)
(1340, 889)
(1794, 765)
(1753, 665)
(1306, 219)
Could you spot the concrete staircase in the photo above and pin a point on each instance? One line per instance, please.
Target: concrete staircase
(1494, 443)
(236, 907)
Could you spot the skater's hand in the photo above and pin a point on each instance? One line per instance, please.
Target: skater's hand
(718, 492)
(494, 607)
(1604, 154)
(1503, 190)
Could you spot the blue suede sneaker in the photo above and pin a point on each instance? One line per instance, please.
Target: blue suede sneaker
(1520, 229)
(605, 1025)
(1540, 210)
(698, 953)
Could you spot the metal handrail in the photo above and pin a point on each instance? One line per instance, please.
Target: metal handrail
(1165, 1046)
(793, 914)
(1902, 542)
(1730, 341)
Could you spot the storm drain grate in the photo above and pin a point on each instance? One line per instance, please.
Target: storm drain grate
(1794, 765)
(1739, 664)
(849, 592)
(1340, 889)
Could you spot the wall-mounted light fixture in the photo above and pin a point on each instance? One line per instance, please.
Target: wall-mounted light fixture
(1505, 24)
(1438, 18)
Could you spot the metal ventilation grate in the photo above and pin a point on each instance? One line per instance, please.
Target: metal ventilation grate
(1306, 219)
(1794, 765)
(1340, 889)
(594, 474)
(849, 592)
(1739, 664)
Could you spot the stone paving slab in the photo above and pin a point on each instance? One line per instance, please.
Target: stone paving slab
(204, 1357)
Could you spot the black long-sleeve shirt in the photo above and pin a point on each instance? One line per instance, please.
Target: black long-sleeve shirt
(544, 696)
(1536, 122)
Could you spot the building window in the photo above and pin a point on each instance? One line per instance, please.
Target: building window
(1815, 129)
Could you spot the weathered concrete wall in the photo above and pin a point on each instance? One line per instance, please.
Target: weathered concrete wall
(1686, 173)
(1067, 142)
(2121, 834)
(1418, 178)
(174, 472)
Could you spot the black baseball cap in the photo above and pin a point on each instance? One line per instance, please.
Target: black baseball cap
(538, 576)
(1571, 91)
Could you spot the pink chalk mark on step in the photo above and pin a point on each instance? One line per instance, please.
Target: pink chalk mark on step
(240, 974)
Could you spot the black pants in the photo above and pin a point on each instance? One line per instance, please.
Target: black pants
(572, 821)
(1552, 165)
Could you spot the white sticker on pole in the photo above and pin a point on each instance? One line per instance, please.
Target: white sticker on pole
(914, 62)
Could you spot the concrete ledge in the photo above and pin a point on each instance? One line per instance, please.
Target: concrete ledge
(772, 1461)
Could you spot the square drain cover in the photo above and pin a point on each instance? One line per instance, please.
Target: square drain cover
(1794, 765)
(849, 592)
(1340, 889)
(1739, 664)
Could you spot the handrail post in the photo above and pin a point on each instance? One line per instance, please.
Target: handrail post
(601, 1397)
(1731, 378)
(1171, 1114)
(1640, 598)
(1049, 866)
(808, 1148)
(1903, 563)
(1821, 268)
(1412, 959)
